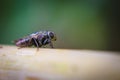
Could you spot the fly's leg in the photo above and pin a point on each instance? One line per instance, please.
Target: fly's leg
(36, 44)
(51, 44)
(48, 41)
(20, 47)
(45, 42)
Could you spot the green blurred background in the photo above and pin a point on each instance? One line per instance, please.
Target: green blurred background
(78, 24)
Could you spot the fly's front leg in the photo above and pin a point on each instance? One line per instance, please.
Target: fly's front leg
(51, 44)
(47, 41)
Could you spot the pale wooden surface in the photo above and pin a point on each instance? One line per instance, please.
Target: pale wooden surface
(57, 64)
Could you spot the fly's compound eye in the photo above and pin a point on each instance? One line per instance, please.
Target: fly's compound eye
(52, 36)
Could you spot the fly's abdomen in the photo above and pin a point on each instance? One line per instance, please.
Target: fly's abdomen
(23, 42)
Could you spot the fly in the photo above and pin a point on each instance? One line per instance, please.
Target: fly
(37, 39)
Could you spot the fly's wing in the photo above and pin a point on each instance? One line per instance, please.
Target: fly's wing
(14, 41)
(33, 35)
(17, 40)
(36, 35)
(29, 36)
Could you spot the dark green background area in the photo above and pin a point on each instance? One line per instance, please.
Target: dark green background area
(80, 24)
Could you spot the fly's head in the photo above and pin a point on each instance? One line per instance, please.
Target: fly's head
(52, 36)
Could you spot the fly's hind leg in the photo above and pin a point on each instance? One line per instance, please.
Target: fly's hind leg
(36, 43)
(20, 47)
